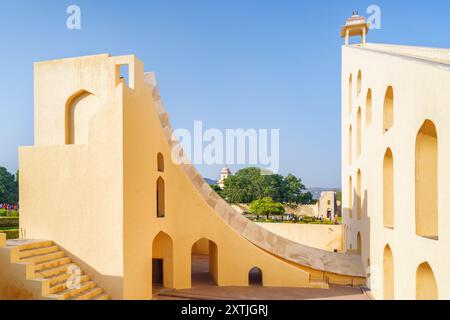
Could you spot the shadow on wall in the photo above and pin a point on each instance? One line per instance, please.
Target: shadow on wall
(357, 231)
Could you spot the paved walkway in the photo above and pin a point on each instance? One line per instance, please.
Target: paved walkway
(204, 288)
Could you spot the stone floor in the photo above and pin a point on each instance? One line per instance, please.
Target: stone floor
(204, 288)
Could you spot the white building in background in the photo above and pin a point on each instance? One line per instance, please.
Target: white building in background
(224, 173)
(327, 205)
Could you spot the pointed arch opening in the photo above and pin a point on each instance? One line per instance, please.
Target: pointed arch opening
(162, 261)
(426, 178)
(204, 263)
(426, 286)
(79, 110)
(358, 132)
(388, 189)
(255, 277)
(388, 274)
(369, 108)
(358, 195)
(160, 198)
(388, 109)
(160, 162)
(359, 82)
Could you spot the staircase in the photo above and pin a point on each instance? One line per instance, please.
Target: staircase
(61, 279)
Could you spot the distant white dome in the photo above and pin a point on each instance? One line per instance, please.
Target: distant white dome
(225, 170)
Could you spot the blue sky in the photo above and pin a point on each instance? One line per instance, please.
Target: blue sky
(232, 64)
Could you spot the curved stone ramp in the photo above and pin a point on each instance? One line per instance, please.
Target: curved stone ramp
(312, 258)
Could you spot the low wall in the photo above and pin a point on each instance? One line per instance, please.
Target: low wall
(325, 237)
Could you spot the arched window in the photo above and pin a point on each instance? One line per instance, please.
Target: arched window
(359, 85)
(80, 108)
(358, 132)
(160, 161)
(350, 197)
(388, 110)
(350, 94)
(426, 286)
(388, 189)
(160, 198)
(255, 277)
(427, 181)
(388, 273)
(350, 145)
(369, 108)
(358, 195)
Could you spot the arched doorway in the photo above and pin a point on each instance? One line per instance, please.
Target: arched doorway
(426, 287)
(204, 263)
(255, 277)
(388, 274)
(162, 261)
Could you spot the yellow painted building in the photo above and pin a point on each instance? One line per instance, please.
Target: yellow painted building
(395, 172)
(100, 187)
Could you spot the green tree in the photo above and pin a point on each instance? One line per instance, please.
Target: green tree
(243, 187)
(216, 189)
(266, 206)
(250, 184)
(9, 187)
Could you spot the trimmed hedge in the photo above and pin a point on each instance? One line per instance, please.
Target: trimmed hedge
(9, 222)
(11, 234)
(9, 213)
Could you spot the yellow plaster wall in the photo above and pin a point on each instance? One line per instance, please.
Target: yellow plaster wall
(98, 200)
(325, 237)
(72, 194)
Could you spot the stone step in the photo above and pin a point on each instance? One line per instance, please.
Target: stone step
(47, 273)
(52, 263)
(43, 257)
(34, 245)
(62, 285)
(69, 293)
(88, 295)
(22, 254)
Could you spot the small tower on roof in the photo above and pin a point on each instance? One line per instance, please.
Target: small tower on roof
(356, 25)
(224, 173)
